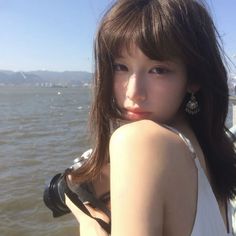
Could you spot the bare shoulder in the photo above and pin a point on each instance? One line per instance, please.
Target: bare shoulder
(149, 144)
(148, 137)
(147, 161)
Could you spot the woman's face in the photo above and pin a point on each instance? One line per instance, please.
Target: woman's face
(148, 89)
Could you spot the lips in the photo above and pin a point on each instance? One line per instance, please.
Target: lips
(135, 114)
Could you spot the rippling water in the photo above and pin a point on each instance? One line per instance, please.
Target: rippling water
(41, 131)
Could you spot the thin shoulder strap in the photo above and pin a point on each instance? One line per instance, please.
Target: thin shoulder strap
(189, 145)
(186, 140)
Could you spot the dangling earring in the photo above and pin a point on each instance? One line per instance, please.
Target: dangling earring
(192, 106)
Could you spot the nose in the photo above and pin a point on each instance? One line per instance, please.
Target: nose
(136, 88)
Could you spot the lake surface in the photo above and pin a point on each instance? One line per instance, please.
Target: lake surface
(41, 131)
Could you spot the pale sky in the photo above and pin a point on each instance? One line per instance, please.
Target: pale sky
(58, 34)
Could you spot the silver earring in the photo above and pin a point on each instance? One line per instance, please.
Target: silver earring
(192, 106)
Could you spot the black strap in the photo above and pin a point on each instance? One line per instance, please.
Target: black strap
(74, 198)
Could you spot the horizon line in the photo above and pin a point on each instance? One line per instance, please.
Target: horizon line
(44, 70)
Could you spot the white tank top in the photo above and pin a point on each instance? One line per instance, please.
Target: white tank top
(208, 220)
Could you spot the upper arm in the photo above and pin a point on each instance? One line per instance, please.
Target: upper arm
(141, 165)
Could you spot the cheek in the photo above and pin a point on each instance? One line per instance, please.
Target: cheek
(119, 92)
(168, 88)
(168, 94)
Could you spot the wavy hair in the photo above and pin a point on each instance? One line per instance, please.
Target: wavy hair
(166, 29)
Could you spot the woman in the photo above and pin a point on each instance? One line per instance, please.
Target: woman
(160, 79)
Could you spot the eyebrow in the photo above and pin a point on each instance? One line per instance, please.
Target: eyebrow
(168, 62)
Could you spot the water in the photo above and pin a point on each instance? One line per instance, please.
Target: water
(41, 131)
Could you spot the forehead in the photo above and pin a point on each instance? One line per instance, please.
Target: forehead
(132, 48)
(134, 52)
(130, 51)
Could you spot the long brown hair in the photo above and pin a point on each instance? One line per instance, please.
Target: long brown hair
(166, 29)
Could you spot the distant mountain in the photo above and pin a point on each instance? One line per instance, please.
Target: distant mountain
(45, 78)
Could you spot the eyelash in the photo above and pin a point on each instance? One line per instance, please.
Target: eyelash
(120, 66)
(159, 70)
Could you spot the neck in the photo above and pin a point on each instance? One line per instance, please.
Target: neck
(183, 126)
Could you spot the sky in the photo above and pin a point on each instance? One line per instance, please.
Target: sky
(58, 35)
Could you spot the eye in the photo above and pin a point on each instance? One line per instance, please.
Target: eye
(119, 67)
(160, 70)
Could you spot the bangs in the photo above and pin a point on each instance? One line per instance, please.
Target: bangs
(143, 26)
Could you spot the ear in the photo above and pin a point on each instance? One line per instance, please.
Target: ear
(193, 88)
